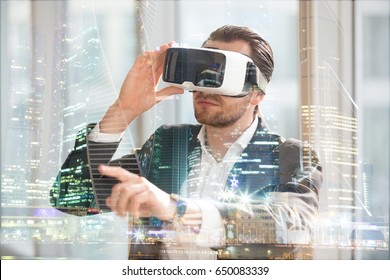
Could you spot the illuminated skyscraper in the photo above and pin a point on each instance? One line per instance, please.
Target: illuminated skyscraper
(50, 85)
(334, 133)
(24, 125)
(328, 111)
(367, 173)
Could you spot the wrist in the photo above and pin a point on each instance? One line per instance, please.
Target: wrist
(116, 119)
(180, 206)
(184, 214)
(176, 209)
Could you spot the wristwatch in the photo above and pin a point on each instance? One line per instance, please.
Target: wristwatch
(181, 205)
(192, 221)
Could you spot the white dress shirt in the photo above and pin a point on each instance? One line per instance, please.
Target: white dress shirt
(210, 184)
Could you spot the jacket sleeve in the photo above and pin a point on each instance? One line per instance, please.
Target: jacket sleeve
(72, 191)
(79, 189)
(294, 202)
(286, 208)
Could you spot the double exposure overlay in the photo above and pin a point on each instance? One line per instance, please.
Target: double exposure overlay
(312, 183)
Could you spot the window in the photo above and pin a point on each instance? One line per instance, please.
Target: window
(63, 63)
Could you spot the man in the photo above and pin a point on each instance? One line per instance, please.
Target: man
(200, 179)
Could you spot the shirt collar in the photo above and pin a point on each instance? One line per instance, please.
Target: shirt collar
(243, 140)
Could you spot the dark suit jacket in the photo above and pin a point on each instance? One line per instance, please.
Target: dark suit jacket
(171, 156)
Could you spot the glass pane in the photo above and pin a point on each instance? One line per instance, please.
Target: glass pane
(63, 64)
(57, 78)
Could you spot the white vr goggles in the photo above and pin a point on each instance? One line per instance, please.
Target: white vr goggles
(212, 71)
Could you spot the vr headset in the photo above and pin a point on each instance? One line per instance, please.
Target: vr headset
(213, 71)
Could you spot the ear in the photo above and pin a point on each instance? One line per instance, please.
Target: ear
(257, 97)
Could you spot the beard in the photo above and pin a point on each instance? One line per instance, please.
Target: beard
(228, 114)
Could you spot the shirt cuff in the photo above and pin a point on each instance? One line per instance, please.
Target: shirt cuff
(212, 231)
(96, 136)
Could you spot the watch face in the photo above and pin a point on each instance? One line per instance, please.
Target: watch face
(181, 207)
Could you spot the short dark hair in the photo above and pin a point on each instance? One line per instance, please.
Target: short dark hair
(261, 52)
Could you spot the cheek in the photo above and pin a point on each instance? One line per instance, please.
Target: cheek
(231, 102)
(195, 94)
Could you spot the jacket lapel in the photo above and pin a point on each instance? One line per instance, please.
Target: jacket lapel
(257, 170)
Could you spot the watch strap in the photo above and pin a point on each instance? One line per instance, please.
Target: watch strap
(181, 205)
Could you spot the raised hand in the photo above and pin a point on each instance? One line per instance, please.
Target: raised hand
(139, 91)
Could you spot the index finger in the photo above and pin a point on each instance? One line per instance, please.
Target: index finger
(158, 55)
(117, 172)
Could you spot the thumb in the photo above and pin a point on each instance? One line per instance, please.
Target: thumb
(168, 91)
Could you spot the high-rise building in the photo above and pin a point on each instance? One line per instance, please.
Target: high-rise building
(328, 110)
(367, 173)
